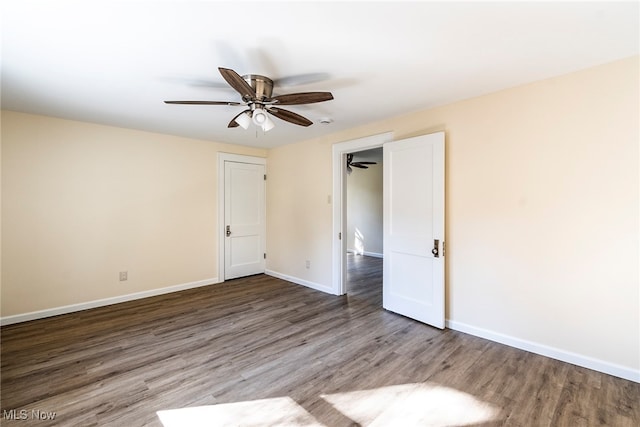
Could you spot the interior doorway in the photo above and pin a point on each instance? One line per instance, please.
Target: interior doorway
(241, 215)
(339, 246)
(413, 229)
(364, 224)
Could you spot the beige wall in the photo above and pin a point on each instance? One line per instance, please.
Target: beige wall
(299, 212)
(364, 210)
(82, 202)
(542, 210)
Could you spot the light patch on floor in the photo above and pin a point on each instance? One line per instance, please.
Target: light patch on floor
(412, 405)
(408, 405)
(281, 411)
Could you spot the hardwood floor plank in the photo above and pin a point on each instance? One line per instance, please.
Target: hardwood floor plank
(538, 396)
(264, 338)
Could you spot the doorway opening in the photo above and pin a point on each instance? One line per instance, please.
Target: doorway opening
(364, 224)
(413, 223)
(339, 249)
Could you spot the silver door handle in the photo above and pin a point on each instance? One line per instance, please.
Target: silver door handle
(228, 230)
(436, 248)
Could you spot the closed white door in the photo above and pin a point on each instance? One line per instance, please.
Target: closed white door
(244, 219)
(413, 277)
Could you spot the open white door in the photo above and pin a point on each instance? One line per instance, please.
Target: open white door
(413, 278)
(244, 219)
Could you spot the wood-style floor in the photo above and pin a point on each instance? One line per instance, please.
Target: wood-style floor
(340, 360)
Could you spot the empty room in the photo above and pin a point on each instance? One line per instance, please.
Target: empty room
(320, 213)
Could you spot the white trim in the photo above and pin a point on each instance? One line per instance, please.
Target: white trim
(298, 281)
(241, 158)
(339, 151)
(228, 157)
(41, 314)
(547, 351)
(371, 254)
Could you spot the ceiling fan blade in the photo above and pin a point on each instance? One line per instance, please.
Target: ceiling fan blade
(238, 83)
(204, 102)
(302, 98)
(289, 116)
(358, 164)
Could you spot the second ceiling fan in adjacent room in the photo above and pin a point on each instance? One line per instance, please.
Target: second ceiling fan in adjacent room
(360, 165)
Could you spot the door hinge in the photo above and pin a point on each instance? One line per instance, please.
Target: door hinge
(265, 176)
(444, 251)
(265, 255)
(339, 236)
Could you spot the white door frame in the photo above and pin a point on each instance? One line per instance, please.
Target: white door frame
(340, 150)
(227, 157)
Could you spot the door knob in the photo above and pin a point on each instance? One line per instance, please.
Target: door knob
(436, 251)
(228, 230)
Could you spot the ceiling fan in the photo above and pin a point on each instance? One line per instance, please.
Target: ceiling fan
(361, 165)
(256, 92)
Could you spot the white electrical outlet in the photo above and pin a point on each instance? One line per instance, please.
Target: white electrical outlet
(307, 264)
(123, 276)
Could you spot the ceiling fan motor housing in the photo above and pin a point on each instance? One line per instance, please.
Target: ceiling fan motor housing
(262, 85)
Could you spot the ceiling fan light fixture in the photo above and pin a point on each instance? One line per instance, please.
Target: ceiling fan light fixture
(260, 117)
(243, 120)
(262, 120)
(268, 124)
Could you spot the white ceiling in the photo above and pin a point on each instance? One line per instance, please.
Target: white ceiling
(114, 62)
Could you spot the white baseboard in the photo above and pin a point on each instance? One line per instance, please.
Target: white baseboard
(8, 320)
(298, 281)
(373, 254)
(553, 353)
